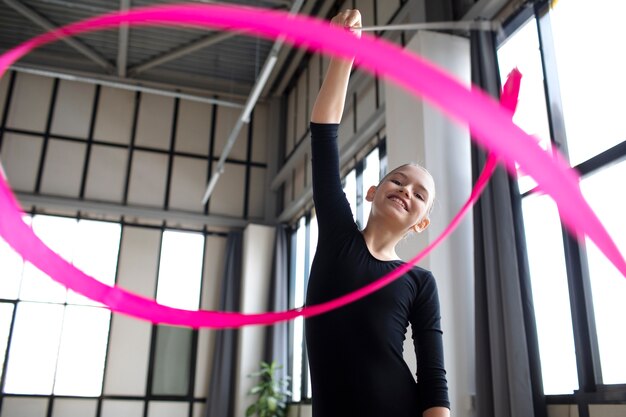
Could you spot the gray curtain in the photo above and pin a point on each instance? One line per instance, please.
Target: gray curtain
(277, 336)
(508, 375)
(221, 396)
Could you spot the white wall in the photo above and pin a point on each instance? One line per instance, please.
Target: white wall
(258, 249)
(417, 132)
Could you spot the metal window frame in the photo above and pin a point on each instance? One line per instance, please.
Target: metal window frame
(591, 388)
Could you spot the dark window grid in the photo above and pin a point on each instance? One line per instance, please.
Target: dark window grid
(579, 285)
(46, 135)
(134, 147)
(92, 125)
(292, 295)
(578, 279)
(172, 398)
(149, 397)
(170, 155)
(246, 196)
(153, 333)
(592, 165)
(304, 385)
(106, 355)
(6, 353)
(211, 152)
(131, 146)
(7, 106)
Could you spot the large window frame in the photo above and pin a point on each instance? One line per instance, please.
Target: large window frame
(156, 393)
(591, 389)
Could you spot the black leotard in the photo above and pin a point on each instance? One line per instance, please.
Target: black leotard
(355, 352)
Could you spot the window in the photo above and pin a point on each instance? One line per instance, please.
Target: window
(59, 338)
(570, 88)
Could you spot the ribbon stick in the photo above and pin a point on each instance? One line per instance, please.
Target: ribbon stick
(490, 124)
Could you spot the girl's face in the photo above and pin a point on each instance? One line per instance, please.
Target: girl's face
(404, 196)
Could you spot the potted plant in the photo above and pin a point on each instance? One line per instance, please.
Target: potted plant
(271, 392)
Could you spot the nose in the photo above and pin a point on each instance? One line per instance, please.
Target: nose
(404, 190)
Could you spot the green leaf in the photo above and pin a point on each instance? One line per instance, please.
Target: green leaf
(250, 410)
(272, 403)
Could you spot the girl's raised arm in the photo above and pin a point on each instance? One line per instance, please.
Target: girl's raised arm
(328, 107)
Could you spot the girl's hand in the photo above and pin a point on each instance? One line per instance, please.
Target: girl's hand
(349, 19)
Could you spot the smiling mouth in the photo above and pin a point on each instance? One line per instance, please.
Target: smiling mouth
(400, 202)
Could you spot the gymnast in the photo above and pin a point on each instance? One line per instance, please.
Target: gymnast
(355, 352)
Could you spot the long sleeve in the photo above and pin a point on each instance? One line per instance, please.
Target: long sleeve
(331, 205)
(425, 321)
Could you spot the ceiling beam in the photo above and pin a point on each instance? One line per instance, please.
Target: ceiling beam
(122, 42)
(52, 203)
(44, 23)
(485, 9)
(204, 42)
(125, 86)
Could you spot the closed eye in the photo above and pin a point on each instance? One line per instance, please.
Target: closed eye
(395, 181)
(421, 197)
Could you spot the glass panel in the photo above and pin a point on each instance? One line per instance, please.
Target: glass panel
(180, 270)
(371, 176)
(82, 352)
(313, 236)
(118, 408)
(11, 266)
(550, 294)
(172, 361)
(24, 407)
(298, 323)
(592, 88)
(66, 407)
(101, 239)
(168, 409)
(6, 315)
(59, 234)
(607, 284)
(521, 51)
(349, 188)
(34, 347)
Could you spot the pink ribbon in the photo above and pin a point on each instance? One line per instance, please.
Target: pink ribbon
(489, 122)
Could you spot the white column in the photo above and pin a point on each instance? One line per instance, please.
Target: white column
(258, 250)
(418, 132)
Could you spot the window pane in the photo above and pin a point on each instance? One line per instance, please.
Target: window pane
(313, 236)
(11, 266)
(349, 188)
(96, 250)
(591, 74)
(59, 234)
(371, 176)
(607, 284)
(34, 347)
(550, 294)
(172, 361)
(6, 315)
(180, 270)
(82, 352)
(298, 323)
(521, 51)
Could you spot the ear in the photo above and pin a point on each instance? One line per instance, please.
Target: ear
(421, 225)
(370, 193)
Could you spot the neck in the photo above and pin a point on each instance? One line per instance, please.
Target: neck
(381, 241)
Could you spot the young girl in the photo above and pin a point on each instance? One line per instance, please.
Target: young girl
(355, 352)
